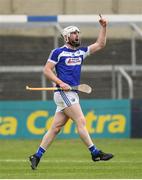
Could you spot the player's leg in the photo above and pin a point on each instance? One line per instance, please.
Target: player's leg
(59, 121)
(76, 114)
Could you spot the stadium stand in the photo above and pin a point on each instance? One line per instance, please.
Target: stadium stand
(19, 51)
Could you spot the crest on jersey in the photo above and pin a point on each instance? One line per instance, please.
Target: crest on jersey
(73, 61)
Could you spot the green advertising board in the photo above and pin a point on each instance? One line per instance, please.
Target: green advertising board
(31, 119)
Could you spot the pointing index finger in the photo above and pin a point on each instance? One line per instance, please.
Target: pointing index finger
(100, 16)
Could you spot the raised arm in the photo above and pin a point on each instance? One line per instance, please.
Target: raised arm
(101, 40)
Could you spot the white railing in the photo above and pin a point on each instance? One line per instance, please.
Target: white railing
(138, 31)
(123, 73)
(121, 70)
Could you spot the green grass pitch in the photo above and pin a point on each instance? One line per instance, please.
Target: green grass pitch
(70, 159)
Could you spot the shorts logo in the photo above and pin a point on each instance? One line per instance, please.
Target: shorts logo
(73, 99)
(73, 61)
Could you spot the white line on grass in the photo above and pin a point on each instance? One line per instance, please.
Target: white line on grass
(64, 161)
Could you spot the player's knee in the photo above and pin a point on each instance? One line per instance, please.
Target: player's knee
(56, 130)
(81, 122)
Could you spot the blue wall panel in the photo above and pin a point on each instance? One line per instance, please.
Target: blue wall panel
(31, 119)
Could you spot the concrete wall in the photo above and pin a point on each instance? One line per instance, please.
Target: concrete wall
(88, 6)
(54, 7)
(5, 6)
(38, 7)
(31, 7)
(130, 7)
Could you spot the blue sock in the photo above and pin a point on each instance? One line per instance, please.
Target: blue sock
(93, 150)
(40, 152)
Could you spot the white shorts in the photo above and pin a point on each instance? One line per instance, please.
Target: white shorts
(65, 99)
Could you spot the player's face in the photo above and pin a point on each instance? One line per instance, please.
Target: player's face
(74, 39)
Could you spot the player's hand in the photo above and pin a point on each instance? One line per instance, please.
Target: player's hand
(65, 86)
(103, 22)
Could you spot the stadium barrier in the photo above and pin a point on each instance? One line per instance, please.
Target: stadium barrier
(122, 19)
(31, 119)
(136, 115)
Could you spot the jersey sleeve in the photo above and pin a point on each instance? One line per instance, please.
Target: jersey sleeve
(85, 51)
(53, 57)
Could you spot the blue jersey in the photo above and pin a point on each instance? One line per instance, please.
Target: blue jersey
(68, 63)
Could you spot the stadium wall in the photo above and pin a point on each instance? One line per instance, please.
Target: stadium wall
(52, 7)
(136, 118)
(105, 119)
(14, 119)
